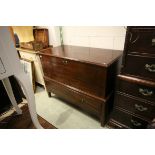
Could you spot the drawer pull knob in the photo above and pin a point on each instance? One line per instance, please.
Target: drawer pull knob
(150, 68)
(140, 107)
(65, 61)
(145, 92)
(135, 123)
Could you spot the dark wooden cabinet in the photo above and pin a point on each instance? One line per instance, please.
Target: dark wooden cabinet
(140, 40)
(134, 105)
(82, 76)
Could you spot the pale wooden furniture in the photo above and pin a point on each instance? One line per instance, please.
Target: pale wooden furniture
(10, 65)
(33, 56)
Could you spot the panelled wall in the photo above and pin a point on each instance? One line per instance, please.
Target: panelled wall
(111, 37)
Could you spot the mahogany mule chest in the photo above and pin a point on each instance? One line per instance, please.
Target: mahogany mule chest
(82, 76)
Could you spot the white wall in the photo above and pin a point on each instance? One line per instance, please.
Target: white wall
(111, 37)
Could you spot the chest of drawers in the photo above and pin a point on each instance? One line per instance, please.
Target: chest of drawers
(82, 76)
(135, 93)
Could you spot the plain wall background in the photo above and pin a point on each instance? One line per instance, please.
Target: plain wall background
(111, 37)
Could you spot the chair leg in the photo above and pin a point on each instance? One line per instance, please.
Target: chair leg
(28, 90)
(49, 94)
(8, 88)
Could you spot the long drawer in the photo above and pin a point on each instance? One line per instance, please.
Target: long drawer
(84, 76)
(136, 87)
(140, 66)
(135, 106)
(127, 120)
(83, 101)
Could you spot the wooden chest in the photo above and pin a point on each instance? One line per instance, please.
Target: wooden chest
(41, 35)
(82, 76)
(135, 93)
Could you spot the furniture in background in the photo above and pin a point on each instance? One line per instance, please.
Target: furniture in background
(32, 55)
(33, 39)
(41, 35)
(82, 76)
(134, 105)
(11, 66)
(31, 42)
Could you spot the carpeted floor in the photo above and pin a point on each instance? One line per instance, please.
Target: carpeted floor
(52, 113)
(10, 120)
(62, 115)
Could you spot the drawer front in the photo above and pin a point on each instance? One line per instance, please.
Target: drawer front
(128, 120)
(135, 106)
(74, 97)
(143, 67)
(141, 41)
(83, 76)
(136, 89)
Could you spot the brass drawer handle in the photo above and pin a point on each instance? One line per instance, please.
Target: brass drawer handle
(140, 107)
(145, 92)
(153, 42)
(135, 123)
(150, 68)
(65, 61)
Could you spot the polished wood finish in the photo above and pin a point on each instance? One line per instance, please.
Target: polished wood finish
(131, 67)
(82, 76)
(87, 77)
(97, 56)
(23, 121)
(141, 108)
(136, 87)
(140, 40)
(75, 97)
(136, 80)
(135, 92)
(126, 120)
(139, 47)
